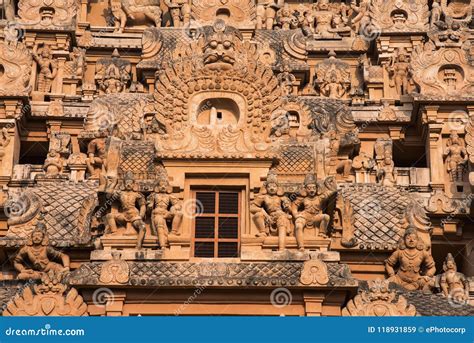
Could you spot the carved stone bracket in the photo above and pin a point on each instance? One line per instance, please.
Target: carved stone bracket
(115, 271)
(440, 203)
(378, 300)
(314, 273)
(47, 299)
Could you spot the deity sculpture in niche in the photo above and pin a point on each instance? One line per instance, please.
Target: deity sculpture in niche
(113, 74)
(454, 284)
(164, 207)
(53, 165)
(286, 80)
(270, 212)
(124, 9)
(128, 199)
(333, 78)
(456, 157)
(385, 167)
(400, 73)
(308, 210)
(47, 68)
(37, 257)
(324, 16)
(286, 20)
(412, 258)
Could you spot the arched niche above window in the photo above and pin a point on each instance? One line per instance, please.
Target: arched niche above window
(218, 111)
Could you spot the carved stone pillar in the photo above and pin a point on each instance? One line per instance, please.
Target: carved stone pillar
(115, 302)
(469, 140)
(58, 82)
(434, 147)
(9, 149)
(83, 11)
(313, 303)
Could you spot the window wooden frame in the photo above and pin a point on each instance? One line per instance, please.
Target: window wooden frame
(216, 215)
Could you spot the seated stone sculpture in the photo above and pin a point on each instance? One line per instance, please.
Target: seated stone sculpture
(37, 257)
(307, 210)
(411, 257)
(271, 212)
(454, 285)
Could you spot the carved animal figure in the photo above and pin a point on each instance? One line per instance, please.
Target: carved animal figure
(124, 9)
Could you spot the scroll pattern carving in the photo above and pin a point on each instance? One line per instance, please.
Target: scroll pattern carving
(16, 61)
(442, 73)
(249, 84)
(396, 15)
(56, 13)
(240, 12)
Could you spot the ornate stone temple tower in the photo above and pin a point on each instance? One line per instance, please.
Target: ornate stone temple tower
(240, 157)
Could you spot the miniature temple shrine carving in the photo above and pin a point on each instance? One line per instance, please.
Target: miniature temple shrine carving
(240, 146)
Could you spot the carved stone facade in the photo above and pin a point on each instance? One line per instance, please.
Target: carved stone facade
(236, 145)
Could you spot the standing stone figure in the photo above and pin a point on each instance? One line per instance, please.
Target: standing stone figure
(399, 72)
(180, 11)
(411, 257)
(96, 158)
(8, 9)
(360, 23)
(266, 13)
(454, 284)
(164, 207)
(308, 209)
(456, 157)
(129, 199)
(385, 166)
(37, 257)
(47, 68)
(271, 212)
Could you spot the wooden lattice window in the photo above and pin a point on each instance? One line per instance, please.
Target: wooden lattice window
(216, 226)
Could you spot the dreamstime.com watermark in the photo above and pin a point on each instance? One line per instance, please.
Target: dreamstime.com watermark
(45, 331)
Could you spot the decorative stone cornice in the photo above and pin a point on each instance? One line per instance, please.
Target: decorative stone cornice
(312, 273)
